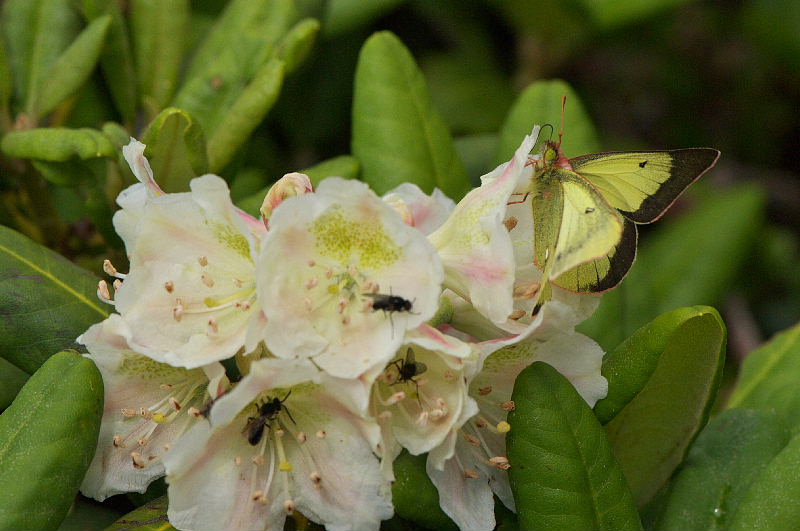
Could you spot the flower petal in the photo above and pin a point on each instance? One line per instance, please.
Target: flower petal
(426, 212)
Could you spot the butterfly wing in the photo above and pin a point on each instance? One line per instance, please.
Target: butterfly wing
(574, 225)
(643, 184)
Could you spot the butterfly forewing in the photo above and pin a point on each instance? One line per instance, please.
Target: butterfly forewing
(572, 221)
(643, 184)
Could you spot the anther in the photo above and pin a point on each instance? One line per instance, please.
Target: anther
(510, 223)
(213, 325)
(526, 291)
(321, 434)
(517, 315)
(167, 446)
(118, 442)
(129, 412)
(503, 427)
(289, 506)
(449, 375)
(138, 462)
(169, 286)
(177, 311)
(474, 441)
(311, 263)
(437, 413)
(238, 283)
(346, 320)
(196, 413)
(109, 268)
(500, 462)
(145, 413)
(203, 261)
(316, 479)
(341, 306)
(385, 415)
(422, 418)
(508, 405)
(395, 398)
(166, 387)
(312, 283)
(481, 423)
(117, 284)
(102, 291)
(174, 403)
(279, 432)
(207, 280)
(257, 495)
(143, 441)
(483, 391)
(301, 437)
(237, 460)
(470, 474)
(258, 460)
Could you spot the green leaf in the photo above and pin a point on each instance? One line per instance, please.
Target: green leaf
(72, 68)
(610, 14)
(689, 260)
(769, 376)
(11, 381)
(563, 474)
(176, 149)
(57, 144)
(540, 104)
(727, 456)
(245, 114)
(415, 497)
(6, 85)
(398, 136)
(149, 517)
(343, 166)
(117, 57)
(159, 36)
(239, 45)
(295, 46)
(47, 301)
(86, 514)
(37, 32)
(652, 433)
(47, 440)
(772, 501)
(343, 16)
(477, 152)
(632, 363)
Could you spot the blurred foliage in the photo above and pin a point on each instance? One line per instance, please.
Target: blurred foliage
(253, 89)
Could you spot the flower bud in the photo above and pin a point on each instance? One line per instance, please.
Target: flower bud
(289, 185)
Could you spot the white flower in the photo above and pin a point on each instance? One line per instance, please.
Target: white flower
(421, 396)
(474, 243)
(148, 405)
(190, 293)
(285, 438)
(341, 278)
(424, 212)
(466, 482)
(290, 185)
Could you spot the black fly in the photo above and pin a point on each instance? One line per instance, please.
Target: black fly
(390, 304)
(267, 412)
(407, 369)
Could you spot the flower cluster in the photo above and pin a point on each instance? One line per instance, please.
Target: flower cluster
(273, 365)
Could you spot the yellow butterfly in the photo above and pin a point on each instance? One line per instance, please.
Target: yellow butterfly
(585, 209)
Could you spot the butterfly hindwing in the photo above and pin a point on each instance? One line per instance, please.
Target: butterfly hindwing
(643, 184)
(572, 221)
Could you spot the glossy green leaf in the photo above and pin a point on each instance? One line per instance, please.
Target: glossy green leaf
(415, 497)
(89, 515)
(37, 32)
(540, 103)
(47, 440)
(477, 152)
(72, 68)
(343, 166)
(116, 60)
(342, 16)
(176, 149)
(70, 173)
(652, 433)
(632, 363)
(773, 501)
(398, 136)
(245, 114)
(230, 58)
(295, 46)
(149, 517)
(57, 144)
(691, 259)
(769, 378)
(563, 474)
(118, 135)
(11, 381)
(727, 456)
(159, 30)
(6, 84)
(47, 301)
(610, 14)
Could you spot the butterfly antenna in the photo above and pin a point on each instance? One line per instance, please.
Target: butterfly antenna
(551, 131)
(563, 106)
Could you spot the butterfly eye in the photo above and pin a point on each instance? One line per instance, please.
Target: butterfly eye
(549, 155)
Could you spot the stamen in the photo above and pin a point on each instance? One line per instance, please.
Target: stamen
(257, 495)
(203, 261)
(321, 434)
(167, 446)
(102, 292)
(527, 290)
(509, 405)
(289, 506)
(177, 311)
(503, 427)
(138, 462)
(316, 479)
(312, 283)
(301, 437)
(258, 460)
(279, 432)
(474, 441)
(118, 442)
(449, 375)
(169, 286)
(346, 320)
(237, 460)
(117, 285)
(470, 474)
(517, 315)
(109, 268)
(422, 419)
(395, 398)
(500, 462)
(196, 413)
(385, 415)
(341, 306)
(311, 263)
(166, 387)
(481, 423)
(143, 441)
(213, 325)
(129, 412)
(510, 223)
(207, 280)
(483, 391)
